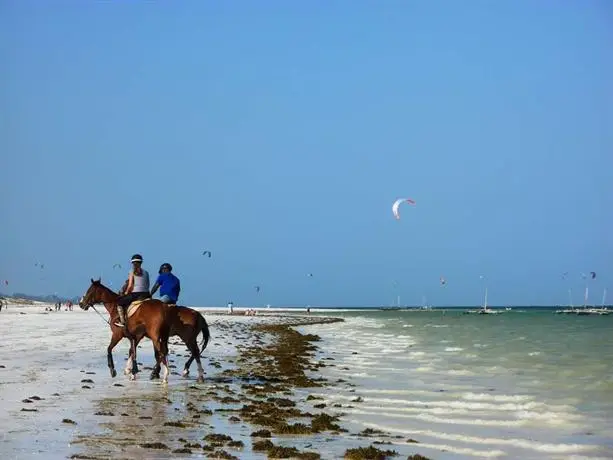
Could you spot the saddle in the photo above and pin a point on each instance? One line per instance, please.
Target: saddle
(134, 306)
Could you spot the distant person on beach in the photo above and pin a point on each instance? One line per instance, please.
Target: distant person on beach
(169, 284)
(137, 288)
(230, 308)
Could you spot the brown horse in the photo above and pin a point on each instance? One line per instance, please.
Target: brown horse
(152, 319)
(187, 324)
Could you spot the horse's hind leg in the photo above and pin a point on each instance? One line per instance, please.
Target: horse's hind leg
(161, 345)
(188, 363)
(131, 364)
(193, 348)
(155, 373)
(134, 369)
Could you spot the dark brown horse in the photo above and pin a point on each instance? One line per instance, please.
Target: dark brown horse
(152, 319)
(187, 324)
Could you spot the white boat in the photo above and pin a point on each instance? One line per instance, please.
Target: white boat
(571, 309)
(586, 311)
(485, 310)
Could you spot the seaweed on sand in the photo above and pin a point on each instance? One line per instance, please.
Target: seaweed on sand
(369, 453)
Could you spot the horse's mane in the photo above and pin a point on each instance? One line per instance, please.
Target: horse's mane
(107, 289)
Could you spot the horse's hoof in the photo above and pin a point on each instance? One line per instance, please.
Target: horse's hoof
(155, 376)
(113, 373)
(132, 377)
(185, 372)
(200, 379)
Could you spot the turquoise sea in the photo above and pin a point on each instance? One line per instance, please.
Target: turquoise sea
(525, 383)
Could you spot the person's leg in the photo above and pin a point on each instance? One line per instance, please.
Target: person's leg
(122, 303)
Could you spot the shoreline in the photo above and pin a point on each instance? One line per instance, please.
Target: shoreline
(253, 407)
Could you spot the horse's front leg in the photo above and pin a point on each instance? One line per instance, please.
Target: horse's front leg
(115, 338)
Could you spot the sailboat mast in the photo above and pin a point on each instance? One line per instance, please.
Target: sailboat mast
(585, 298)
(485, 303)
(604, 296)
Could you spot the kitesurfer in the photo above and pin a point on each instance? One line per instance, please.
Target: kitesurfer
(169, 284)
(137, 289)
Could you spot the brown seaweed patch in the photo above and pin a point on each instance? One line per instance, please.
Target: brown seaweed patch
(262, 446)
(217, 438)
(417, 457)
(154, 445)
(325, 422)
(68, 421)
(282, 402)
(222, 454)
(261, 434)
(175, 424)
(369, 453)
(371, 432)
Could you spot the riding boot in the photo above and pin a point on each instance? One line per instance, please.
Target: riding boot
(122, 319)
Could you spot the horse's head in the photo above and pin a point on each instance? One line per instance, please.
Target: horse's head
(97, 293)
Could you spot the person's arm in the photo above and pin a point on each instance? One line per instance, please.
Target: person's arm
(130, 283)
(122, 291)
(156, 286)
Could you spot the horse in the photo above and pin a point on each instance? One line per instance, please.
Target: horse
(152, 319)
(187, 324)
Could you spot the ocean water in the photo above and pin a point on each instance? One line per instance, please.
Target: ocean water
(521, 384)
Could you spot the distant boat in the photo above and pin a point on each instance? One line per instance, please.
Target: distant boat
(487, 311)
(571, 309)
(484, 310)
(588, 311)
(424, 304)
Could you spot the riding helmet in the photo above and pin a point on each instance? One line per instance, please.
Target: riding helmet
(137, 258)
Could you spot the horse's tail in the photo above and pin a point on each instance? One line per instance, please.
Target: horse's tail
(204, 328)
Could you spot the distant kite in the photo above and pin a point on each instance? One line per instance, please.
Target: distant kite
(207, 253)
(397, 204)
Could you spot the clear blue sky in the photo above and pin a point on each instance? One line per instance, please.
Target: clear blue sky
(278, 134)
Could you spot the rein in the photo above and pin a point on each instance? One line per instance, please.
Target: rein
(100, 314)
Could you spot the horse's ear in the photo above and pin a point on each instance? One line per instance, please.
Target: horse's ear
(92, 280)
(98, 280)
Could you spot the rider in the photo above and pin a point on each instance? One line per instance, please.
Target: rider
(169, 283)
(137, 289)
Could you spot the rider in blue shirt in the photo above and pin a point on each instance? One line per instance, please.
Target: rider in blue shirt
(169, 285)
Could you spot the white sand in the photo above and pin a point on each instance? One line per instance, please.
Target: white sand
(47, 353)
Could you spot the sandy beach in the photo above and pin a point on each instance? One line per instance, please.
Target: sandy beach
(258, 401)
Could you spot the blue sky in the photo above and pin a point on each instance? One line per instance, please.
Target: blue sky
(278, 134)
